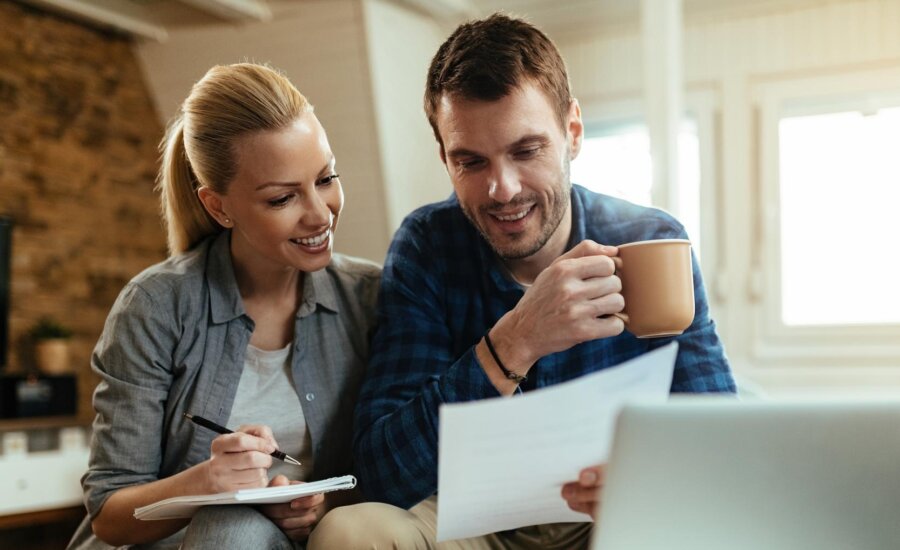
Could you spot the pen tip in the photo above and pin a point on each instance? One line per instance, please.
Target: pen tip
(292, 460)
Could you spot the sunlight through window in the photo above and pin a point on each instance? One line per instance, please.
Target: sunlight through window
(840, 194)
(618, 163)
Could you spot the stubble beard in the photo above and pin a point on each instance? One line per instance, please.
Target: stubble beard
(551, 217)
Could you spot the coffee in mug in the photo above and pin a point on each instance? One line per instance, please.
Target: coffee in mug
(658, 287)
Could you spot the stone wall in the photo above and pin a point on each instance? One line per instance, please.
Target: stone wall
(78, 160)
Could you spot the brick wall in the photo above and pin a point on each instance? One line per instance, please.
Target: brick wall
(78, 160)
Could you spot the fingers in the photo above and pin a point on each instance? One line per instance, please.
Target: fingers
(308, 502)
(588, 247)
(584, 268)
(245, 460)
(239, 460)
(279, 481)
(261, 431)
(589, 259)
(239, 442)
(618, 262)
(296, 524)
(583, 495)
(224, 478)
(606, 305)
(580, 499)
(298, 517)
(592, 476)
(577, 280)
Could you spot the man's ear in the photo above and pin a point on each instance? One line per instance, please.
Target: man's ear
(212, 201)
(574, 129)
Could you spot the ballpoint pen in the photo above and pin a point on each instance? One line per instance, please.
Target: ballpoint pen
(200, 421)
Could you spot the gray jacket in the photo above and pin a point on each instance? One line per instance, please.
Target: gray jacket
(174, 342)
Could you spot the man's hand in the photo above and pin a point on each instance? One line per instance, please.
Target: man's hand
(583, 495)
(298, 517)
(570, 302)
(240, 460)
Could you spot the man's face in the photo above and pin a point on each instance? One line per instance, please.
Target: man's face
(508, 161)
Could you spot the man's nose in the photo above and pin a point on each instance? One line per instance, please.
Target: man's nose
(504, 184)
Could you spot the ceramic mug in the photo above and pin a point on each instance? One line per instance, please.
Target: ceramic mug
(658, 287)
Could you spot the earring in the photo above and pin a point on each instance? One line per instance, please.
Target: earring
(227, 221)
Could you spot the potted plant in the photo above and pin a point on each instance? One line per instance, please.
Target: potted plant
(51, 346)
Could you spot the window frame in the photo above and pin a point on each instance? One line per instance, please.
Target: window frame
(602, 116)
(773, 341)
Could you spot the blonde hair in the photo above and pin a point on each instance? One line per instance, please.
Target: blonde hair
(198, 148)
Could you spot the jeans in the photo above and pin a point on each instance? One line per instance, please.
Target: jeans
(234, 527)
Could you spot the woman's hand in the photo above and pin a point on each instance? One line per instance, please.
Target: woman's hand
(298, 517)
(240, 460)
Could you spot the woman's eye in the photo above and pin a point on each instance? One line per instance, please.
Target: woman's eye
(280, 201)
(328, 179)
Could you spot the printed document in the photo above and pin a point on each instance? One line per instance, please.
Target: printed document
(185, 507)
(502, 462)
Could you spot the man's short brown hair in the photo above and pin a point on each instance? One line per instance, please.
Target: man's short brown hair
(489, 58)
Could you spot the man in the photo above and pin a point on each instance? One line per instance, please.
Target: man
(502, 288)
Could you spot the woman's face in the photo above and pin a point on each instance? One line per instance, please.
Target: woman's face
(285, 200)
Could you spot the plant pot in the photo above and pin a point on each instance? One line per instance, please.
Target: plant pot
(52, 356)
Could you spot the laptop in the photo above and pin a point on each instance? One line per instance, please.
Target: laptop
(721, 474)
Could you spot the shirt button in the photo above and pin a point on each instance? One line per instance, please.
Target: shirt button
(310, 396)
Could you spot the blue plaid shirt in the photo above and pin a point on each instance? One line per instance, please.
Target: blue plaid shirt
(441, 289)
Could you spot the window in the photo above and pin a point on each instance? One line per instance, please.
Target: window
(615, 160)
(839, 187)
(827, 264)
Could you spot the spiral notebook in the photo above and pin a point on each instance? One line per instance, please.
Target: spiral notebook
(186, 506)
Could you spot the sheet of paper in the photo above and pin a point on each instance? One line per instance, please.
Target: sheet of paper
(502, 462)
(185, 507)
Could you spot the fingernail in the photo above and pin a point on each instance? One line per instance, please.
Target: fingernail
(589, 478)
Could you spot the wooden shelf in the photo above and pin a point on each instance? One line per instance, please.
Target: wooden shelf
(41, 517)
(41, 422)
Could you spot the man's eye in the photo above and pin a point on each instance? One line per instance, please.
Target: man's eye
(280, 201)
(527, 153)
(470, 164)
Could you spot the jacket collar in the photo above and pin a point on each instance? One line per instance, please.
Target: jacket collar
(225, 297)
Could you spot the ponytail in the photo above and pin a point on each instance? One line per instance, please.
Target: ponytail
(198, 150)
(187, 221)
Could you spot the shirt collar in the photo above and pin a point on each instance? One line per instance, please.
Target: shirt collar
(225, 298)
(318, 289)
(579, 222)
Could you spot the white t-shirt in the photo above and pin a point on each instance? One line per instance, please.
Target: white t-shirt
(266, 395)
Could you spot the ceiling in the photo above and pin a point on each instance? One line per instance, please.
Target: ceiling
(153, 19)
(560, 16)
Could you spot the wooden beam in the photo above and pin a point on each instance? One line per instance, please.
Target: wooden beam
(235, 10)
(123, 16)
(443, 10)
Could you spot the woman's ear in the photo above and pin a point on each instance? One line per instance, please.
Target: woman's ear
(212, 201)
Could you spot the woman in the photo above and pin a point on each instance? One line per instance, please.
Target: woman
(251, 322)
